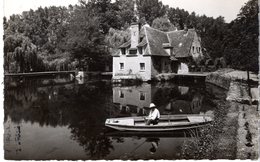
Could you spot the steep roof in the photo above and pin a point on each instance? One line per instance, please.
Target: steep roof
(126, 44)
(181, 41)
(155, 39)
(142, 43)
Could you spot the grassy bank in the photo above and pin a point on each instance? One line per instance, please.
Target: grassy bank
(218, 140)
(237, 121)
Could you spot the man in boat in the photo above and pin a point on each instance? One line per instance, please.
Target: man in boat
(154, 115)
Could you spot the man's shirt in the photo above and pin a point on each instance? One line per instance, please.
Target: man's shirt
(154, 114)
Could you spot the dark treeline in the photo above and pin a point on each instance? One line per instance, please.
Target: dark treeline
(85, 35)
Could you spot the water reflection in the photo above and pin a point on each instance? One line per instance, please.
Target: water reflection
(154, 144)
(50, 118)
(170, 99)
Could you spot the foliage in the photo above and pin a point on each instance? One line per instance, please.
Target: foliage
(115, 38)
(150, 9)
(241, 42)
(20, 51)
(163, 24)
(84, 40)
(90, 32)
(32, 34)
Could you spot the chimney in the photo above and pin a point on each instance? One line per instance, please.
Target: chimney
(134, 35)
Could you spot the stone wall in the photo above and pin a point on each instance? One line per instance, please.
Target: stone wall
(235, 82)
(220, 78)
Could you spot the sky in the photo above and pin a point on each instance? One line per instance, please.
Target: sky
(212, 8)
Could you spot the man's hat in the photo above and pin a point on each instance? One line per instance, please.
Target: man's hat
(152, 105)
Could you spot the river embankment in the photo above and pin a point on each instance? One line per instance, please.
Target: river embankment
(239, 116)
(235, 81)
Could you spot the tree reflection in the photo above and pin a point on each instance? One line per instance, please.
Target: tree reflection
(173, 99)
(83, 108)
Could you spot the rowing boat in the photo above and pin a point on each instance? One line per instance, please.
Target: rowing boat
(166, 123)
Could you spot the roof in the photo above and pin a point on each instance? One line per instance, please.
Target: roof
(142, 43)
(181, 41)
(167, 45)
(126, 44)
(157, 40)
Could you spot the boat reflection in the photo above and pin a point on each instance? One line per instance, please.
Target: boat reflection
(174, 134)
(155, 145)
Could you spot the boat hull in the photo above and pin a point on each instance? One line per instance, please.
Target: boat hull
(166, 123)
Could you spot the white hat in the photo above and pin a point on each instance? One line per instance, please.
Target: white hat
(152, 105)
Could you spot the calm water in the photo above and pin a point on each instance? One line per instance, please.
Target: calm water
(63, 118)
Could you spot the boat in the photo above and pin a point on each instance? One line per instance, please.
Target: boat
(166, 123)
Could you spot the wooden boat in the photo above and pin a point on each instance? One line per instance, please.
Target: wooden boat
(166, 123)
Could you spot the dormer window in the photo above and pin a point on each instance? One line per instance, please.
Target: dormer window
(133, 51)
(168, 48)
(123, 51)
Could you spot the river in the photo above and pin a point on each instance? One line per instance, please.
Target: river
(63, 118)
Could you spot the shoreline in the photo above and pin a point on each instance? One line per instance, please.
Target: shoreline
(241, 118)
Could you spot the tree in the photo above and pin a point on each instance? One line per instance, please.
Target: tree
(20, 51)
(150, 9)
(177, 17)
(84, 40)
(241, 42)
(163, 24)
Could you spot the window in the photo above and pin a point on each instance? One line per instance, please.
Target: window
(123, 51)
(122, 66)
(142, 96)
(199, 49)
(193, 49)
(132, 51)
(121, 94)
(142, 66)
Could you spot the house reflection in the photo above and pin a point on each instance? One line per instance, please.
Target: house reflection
(132, 100)
(169, 98)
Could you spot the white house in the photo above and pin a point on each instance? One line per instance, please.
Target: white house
(150, 52)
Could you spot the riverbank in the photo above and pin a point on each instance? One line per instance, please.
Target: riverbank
(235, 81)
(237, 136)
(239, 123)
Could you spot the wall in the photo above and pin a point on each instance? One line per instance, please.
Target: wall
(160, 65)
(132, 67)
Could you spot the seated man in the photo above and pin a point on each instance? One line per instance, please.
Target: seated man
(154, 115)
